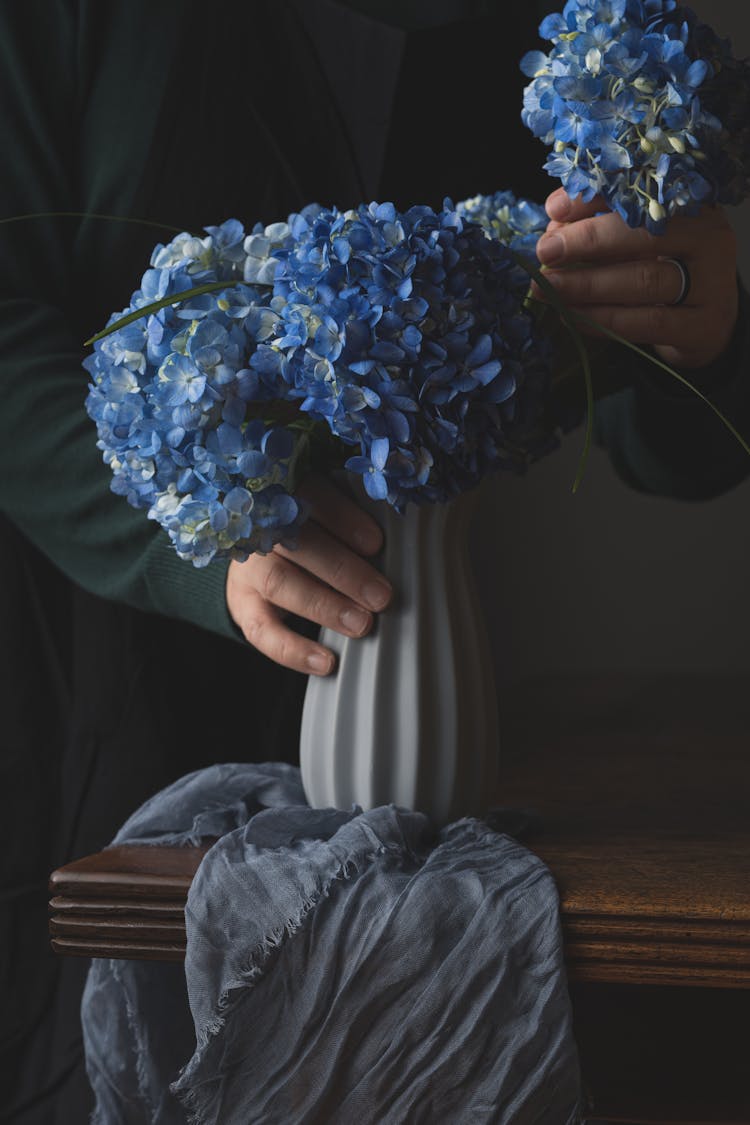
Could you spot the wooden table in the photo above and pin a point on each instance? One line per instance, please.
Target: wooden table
(644, 819)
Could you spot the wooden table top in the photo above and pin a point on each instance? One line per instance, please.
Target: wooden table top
(643, 816)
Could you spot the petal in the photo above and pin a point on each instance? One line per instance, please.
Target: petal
(376, 486)
(534, 63)
(379, 452)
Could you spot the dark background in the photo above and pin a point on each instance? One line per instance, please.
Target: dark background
(611, 581)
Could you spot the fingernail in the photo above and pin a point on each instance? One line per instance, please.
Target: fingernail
(320, 662)
(355, 621)
(376, 595)
(550, 248)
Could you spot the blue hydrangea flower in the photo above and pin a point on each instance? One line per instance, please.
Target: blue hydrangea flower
(517, 223)
(176, 400)
(643, 105)
(407, 334)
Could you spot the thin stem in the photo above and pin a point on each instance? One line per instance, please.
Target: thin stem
(565, 316)
(566, 312)
(89, 215)
(665, 367)
(156, 306)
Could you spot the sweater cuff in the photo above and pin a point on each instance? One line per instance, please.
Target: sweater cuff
(176, 588)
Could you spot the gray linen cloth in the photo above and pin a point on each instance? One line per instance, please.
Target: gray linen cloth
(342, 968)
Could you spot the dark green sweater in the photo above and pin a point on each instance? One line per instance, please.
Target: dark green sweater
(128, 109)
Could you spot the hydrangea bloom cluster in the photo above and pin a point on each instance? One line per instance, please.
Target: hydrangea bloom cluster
(517, 223)
(404, 335)
(179, 408)
(407, 334)
(643, 105)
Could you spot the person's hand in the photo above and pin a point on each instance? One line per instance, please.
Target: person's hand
(326, 580)
(624, 286)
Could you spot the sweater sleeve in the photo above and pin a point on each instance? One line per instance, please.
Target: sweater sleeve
(53, 484)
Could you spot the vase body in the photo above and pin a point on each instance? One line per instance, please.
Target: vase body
(409, 717)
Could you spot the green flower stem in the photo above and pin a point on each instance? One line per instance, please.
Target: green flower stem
(147, 309)
(300, 460)
(569, 317)
(155, 306)
(670, 371)
(90, 215)
(566, 316)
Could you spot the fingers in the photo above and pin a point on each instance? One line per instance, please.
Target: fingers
(285, 585)
(619, 277)
(324, 580)
(263, 629)
(333, 510)
(321, 555)
(680, 337)
(599, 239)
(654, 324)
(562, 209)
(645, 282)
(608, 238)
(321, 581)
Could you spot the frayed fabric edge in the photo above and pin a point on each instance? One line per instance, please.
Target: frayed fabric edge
(197, 1101)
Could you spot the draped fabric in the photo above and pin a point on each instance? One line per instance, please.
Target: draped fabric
(341, 967)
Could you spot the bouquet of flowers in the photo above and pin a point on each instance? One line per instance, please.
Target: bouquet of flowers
(402, 346)
(400, 340)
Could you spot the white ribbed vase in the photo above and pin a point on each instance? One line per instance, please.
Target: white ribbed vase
(410, 715)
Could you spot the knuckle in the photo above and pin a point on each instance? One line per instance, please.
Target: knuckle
(283, 653)
(589, 238)
(254, 631)
(339, 572)
(318, 607)
(650, 278)
(590, 286)
(274, 579)
(265, 634)
(579, 286)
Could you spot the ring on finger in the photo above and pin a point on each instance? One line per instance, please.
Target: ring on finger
(685, 280)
